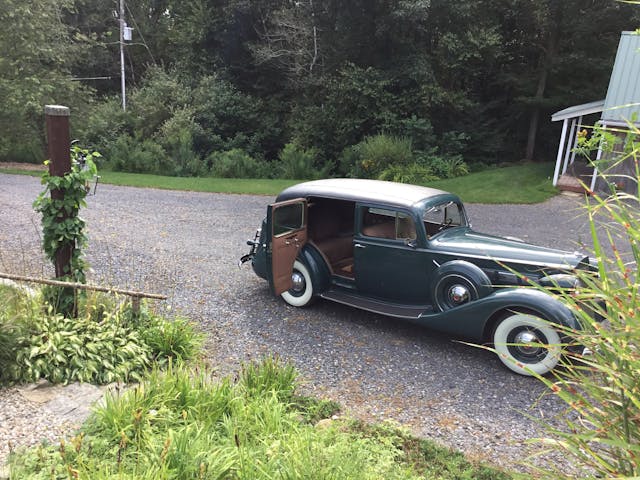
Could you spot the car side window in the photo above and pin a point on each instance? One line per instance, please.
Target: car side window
(288, 218)
(384, 223)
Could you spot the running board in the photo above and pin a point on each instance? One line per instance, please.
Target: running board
(378, 306)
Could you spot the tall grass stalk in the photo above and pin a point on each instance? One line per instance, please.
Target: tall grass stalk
(601, 429)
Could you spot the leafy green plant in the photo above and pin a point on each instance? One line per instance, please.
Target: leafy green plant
(63, 229)
(177, 136)
(106, 343)
(181, 424)
(299, 163)
(236, 163)
(127, 154)
(269, 376)
(445, 166)
(414, 173)
(64, 350)
(14, 313)
(171, 340)
(371, 157)
(314, 409)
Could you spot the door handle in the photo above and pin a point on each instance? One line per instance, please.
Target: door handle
(359, 245)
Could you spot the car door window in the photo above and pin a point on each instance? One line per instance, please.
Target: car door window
(288, 218)
(385, 223)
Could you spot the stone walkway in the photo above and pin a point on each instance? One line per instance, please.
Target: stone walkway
(54, 411)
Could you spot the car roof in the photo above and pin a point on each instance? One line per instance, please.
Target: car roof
(362, 190)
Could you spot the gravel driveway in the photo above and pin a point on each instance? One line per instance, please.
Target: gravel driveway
(186, 245)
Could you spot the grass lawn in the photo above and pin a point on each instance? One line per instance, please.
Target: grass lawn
(526, 183)
(258, 186)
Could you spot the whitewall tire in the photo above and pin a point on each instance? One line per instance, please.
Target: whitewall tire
(527, 344)
(301, 294)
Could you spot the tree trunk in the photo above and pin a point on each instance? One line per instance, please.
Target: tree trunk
(535, 114)
(548, 59)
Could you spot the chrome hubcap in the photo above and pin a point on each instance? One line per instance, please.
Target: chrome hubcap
(458, 294)
(298, 282)
(527, 342)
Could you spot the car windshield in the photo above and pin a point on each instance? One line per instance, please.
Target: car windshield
(443, 216)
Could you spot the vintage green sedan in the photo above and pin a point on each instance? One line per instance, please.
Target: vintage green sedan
(409, 252)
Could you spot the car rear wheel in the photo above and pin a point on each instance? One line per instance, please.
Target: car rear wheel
(301, 293)
(527, 344)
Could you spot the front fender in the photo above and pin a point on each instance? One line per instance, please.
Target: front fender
(471, 319)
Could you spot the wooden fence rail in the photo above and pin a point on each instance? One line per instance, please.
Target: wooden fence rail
(135, 295)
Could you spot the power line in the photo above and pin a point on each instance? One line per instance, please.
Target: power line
(78, 79)
(144, 42)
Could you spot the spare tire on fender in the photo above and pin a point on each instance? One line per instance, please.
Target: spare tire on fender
(458, 282)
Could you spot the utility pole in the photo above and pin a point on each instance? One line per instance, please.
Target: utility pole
(122, 79)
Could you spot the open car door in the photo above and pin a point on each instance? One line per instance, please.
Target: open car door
(287, 234)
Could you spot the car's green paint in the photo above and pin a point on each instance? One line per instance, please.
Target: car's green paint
(471, 245)
(475, 320)
(402, 274)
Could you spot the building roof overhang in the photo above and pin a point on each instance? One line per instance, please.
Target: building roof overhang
(578, 111)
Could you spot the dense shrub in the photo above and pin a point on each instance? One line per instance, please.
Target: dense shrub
(59, 349)
(173, 124)
(127, 154)
(177, 136)
(104, 124)
(419, 131)
(298, 163)
(232, 119)
(28, 150)
(356, 102)
(161, 94)
(374, 155)
(444, 166)
(414, 173)
(106, 343)
(236, 164)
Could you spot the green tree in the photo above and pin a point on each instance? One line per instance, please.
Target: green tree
(34, 71)
(561, 54)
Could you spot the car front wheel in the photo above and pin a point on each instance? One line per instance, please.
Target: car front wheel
(301, 293)
(527, 344)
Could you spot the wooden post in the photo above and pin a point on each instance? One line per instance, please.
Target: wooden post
(560, 152)
(135, 306)
(59, 144)
(567, 152)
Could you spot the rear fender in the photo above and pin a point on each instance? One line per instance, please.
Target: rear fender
(320, 273)
(472, 319)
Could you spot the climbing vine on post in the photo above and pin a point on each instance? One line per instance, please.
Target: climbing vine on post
(62, 227)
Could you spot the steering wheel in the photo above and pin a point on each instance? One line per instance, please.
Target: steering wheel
(447, 222)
